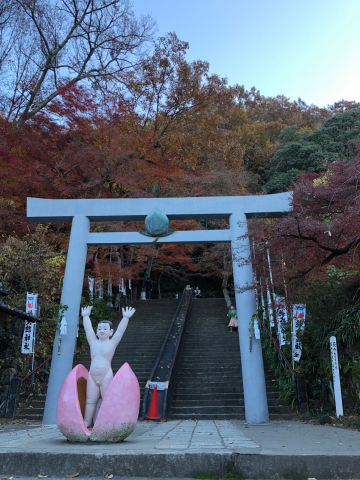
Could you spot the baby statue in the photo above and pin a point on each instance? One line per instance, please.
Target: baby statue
(102, 350)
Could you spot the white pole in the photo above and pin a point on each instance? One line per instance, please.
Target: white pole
(33, 345)
(33, 355)
(271, 279)
(293, 338)
(336, 377)
(273, 311)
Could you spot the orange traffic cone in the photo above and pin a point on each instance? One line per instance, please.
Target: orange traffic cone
(153, 410)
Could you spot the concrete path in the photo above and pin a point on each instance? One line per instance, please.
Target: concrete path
(179, 449)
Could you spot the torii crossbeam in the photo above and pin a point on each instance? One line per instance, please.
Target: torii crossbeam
(83, 211)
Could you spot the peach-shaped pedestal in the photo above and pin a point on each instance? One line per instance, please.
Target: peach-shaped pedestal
(118, 412)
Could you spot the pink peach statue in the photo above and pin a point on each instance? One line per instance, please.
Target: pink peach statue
(81, 389)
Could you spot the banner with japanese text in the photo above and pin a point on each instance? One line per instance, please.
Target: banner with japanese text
(122, 287)
(298, 325)
(31, 303)
(28, 340)
(271, 313)
(99, 288)
(91, 287)
(282, 318)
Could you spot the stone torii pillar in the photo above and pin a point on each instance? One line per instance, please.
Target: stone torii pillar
(83, 211)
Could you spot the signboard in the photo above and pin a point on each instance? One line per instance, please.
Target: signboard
(298, 325)
(159, 385)
(336, 377)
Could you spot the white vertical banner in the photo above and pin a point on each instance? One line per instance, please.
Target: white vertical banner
(91, 287)
(256, 321)
(109, 291)
(298, 325)
(282, 318)
(263, 307)
(99, 288)
(129, 284)
(336, 377)
(28, 340)
(122, 286)
(31, 303)
(270, 310)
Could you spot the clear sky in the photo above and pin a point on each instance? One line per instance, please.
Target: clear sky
(308, 48)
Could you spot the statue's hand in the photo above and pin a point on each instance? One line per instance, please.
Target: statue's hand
(85, 312)
(128, 312)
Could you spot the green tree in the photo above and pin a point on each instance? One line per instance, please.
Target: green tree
(305, 152)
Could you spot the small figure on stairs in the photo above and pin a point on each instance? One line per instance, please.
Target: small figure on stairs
(102, 350)
(197, 293)
(232, 314)
(149, 287)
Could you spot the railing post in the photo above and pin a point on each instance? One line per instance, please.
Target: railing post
(13, 398)
(302, 394)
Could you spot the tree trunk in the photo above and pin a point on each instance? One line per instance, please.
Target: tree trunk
(130, 259)
(147, 270)
(225, 280)
(121, 257)
(158, 282)
(225, 290)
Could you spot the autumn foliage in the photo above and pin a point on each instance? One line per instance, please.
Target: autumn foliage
(165, 127)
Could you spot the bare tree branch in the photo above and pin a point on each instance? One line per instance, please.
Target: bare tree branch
(75, 40)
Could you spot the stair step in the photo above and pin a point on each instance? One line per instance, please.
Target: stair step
(218, 416)
(210, 388)
(212, 409)
(209, 402)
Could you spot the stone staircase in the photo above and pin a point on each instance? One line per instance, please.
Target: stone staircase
(139, 347)
(209, 383)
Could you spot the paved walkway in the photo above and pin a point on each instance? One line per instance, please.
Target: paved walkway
(280, 449)
(186, 435)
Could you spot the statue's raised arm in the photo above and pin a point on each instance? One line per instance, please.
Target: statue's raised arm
(90, 334)
(127, 312)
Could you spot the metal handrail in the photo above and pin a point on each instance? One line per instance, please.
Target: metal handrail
(168, 352)
(286, 361)
(37, 368)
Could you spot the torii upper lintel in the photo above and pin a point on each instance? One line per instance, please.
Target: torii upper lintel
(41, 210)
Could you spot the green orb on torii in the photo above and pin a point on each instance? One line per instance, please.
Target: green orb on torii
(157, 225)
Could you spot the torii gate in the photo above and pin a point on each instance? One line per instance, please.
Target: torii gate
(83, 211)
